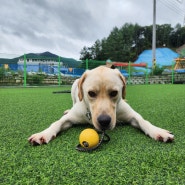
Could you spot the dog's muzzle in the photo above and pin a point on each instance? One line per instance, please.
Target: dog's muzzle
(104, 121)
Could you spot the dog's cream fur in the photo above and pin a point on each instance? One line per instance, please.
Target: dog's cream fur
(98, 98)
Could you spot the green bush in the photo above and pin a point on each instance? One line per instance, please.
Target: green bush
(2, 72)
(158, 70)
(35, 79)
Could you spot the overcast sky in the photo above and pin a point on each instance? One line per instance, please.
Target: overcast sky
(63, 27)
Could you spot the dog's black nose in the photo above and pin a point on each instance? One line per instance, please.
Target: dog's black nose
(104, 121)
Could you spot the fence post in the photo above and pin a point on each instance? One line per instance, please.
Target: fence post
(24, 70)
(87, 63)
(59, 75)
(173, 72)
(146, 80)
(129, 72)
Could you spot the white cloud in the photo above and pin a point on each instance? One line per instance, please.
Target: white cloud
(64, 27)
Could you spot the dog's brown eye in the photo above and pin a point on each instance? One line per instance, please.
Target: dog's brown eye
(113, 94)
(92, 94)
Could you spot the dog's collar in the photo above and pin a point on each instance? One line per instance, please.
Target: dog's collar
(88, 114)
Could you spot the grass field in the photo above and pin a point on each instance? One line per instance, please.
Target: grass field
(129, 158)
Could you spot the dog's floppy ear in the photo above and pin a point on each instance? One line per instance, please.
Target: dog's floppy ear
(80, 83)
(124, 83)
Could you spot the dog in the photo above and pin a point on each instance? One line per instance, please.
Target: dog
(99, 99)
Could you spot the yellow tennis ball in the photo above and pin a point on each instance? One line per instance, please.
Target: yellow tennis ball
(89, 138)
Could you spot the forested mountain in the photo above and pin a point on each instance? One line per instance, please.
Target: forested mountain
(126, 43)
(69, 62)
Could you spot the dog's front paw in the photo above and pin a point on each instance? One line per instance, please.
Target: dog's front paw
(163, 135)
(41, 138)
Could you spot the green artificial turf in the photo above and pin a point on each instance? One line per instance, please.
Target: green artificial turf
(129, 158)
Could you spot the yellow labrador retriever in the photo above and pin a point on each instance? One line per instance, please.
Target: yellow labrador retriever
(98, 98)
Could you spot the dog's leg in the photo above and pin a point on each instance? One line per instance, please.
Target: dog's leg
(126, 113)
(151, 130)
(74, 94)
(74, 116)
(50, 133)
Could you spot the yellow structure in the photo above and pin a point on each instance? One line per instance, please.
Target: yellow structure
(179, 63)
(6, 66)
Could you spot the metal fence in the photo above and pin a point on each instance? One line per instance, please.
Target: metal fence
(26, 71)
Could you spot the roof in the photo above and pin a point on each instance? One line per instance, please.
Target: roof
(164, 57)
(178, 50)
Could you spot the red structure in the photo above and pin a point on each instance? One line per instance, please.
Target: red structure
(121, 64)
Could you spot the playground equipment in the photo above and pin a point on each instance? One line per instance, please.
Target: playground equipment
(179, 63)
(121, 64)
(129, 65)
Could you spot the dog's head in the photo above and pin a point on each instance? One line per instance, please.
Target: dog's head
(101, 89)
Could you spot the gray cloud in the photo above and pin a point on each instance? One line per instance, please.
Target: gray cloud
(64, 27)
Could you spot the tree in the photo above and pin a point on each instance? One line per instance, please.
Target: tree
(112, 46)
(162, 36)
(96, 50)
(126, 43)
(85, 53)
(175, 36)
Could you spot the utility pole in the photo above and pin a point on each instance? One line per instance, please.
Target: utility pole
(154, 36)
